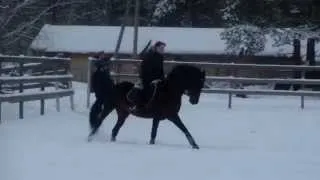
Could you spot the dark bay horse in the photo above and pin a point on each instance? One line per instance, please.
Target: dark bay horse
(166, 103)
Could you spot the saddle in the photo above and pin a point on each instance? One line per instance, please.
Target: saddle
(141, 98)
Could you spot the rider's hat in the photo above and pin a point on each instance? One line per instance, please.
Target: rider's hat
(159, 43)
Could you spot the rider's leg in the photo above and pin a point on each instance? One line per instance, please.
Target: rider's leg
(137, 95)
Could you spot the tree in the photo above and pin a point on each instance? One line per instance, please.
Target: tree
(284, 20)
(20, 20)
(248, 37)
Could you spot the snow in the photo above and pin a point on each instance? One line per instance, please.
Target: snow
(32, 57)
(35, 78)
(163, 7)
(42, 93)
(86, 39)
(229, 12)
(261, 138)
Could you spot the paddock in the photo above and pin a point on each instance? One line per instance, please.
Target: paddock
(261, 137)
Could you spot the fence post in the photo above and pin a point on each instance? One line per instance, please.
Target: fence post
(56, 85)
(311, 51)
(72, 96)
(58, 98)
(89, 81)
(117, 69)
(0, 93)
(302, 87)
(20, 91)
(231, 86)
(69, 84)
(42, 89)
(297, 61)
(0, 112)
(230, 100)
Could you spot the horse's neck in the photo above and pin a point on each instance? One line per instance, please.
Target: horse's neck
(175, 90)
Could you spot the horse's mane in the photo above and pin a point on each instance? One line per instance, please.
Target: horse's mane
(184, 69)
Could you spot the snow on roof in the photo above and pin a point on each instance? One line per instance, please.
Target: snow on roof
(86, 39)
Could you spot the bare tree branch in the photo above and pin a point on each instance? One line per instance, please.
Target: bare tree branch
(23, 26)
(14, 11)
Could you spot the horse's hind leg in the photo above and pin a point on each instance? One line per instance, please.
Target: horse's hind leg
(122, 116)
(97, 115)
(154, 130)
(177, 121)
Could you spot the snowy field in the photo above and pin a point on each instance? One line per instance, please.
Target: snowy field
(261, 138)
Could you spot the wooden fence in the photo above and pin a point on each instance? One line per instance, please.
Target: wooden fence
(232, 79)
(25, 78)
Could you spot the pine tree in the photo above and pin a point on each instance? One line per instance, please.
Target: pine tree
(248, 37)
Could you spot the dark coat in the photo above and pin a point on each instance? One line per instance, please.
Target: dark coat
(151, 67)
(102, 83)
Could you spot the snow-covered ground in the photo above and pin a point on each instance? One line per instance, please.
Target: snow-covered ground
(261, 138)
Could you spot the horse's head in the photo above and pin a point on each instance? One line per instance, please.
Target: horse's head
(194, 85)
(189, 80)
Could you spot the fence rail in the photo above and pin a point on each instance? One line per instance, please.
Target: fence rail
(35, 73)
(33, 59)
(232, 80)
(230, 91)
(35, 79)
(228, 65)
(31, 96)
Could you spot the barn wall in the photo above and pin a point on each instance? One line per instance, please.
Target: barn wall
(79, 67)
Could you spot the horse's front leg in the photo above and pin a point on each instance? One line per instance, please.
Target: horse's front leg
(154, 130)
(177, 121)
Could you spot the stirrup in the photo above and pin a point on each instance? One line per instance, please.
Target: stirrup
(138, 85)
(133, 108)
(156, 81)
(136, 108)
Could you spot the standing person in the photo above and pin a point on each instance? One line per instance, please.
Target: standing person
(151, 70)
(103, 88)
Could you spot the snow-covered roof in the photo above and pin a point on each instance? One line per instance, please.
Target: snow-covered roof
(85, 39)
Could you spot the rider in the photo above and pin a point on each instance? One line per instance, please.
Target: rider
(151, 69)
(152, 64)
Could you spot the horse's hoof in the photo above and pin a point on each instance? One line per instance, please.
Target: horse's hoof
(152, 142)
(195, 147)
(89, 139)
(113, 139)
